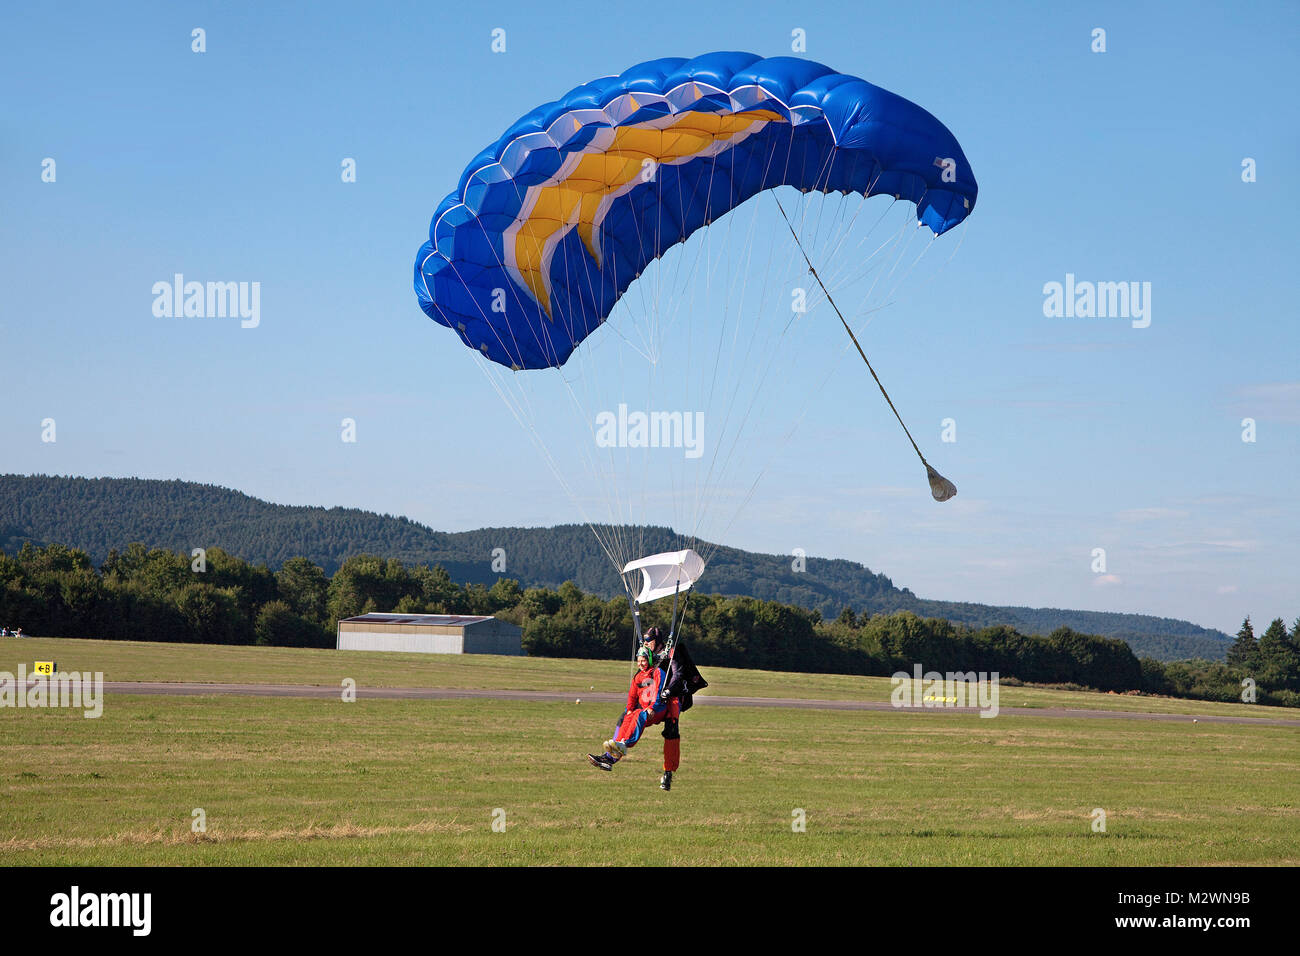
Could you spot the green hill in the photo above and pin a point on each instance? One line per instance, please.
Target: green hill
(101, 514)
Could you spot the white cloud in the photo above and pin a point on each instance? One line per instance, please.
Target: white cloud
(1276, 401)
(1150, 514)
(1076, 347)
(1190, 548)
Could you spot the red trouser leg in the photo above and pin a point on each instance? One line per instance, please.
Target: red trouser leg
(672, 754)
(634, 723)
(626, 728)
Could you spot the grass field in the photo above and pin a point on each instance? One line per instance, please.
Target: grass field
(297, 781)
(141, 661)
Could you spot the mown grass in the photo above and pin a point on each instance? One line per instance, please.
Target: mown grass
(301, 782)
(143, 661)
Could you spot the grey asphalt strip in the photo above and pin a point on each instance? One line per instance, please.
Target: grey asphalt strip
(438, 693)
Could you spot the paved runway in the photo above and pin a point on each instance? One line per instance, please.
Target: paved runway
(437, 693)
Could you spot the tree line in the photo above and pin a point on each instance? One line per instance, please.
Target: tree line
(217, 598)
(98, 514)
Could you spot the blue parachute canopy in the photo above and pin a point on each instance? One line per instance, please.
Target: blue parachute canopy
(552, 223)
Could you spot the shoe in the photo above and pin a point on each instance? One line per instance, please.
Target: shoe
(616, 747)
(602, 762)
(666, 781)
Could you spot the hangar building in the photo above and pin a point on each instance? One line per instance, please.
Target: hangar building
(430, 634)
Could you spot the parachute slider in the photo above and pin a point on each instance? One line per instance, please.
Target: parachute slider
(666, 574)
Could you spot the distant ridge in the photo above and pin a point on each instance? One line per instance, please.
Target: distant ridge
(101, 514)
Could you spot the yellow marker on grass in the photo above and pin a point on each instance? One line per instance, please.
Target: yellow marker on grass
(46, 668)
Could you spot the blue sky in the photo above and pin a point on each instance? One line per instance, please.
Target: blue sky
(1072, 434)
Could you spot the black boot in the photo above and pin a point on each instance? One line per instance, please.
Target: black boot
(603, 762)
(666, 781)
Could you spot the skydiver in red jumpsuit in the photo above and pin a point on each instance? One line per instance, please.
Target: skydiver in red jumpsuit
(645, 708)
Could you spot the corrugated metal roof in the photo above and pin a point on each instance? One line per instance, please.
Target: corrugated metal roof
(445, 620)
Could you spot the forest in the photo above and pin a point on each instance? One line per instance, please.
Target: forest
(213, 597)
(99, 514)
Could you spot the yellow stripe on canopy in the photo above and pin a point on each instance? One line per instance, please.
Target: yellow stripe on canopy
(580, 197)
